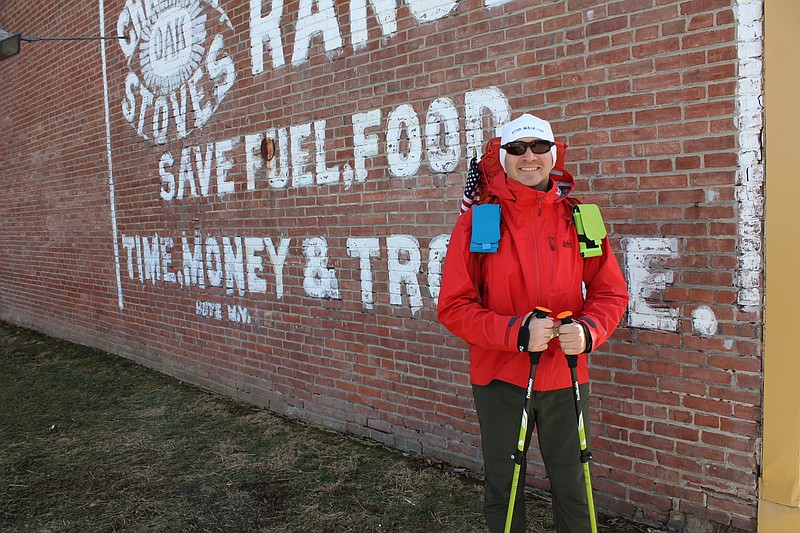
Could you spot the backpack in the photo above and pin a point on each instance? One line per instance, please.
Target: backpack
(587, 219)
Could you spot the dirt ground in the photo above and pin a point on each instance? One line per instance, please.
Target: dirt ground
(92, 442)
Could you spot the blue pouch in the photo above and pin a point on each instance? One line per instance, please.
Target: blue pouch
(485, 228)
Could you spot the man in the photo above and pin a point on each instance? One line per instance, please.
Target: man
(487, 299)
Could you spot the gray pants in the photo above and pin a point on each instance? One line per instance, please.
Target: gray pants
(499, 407)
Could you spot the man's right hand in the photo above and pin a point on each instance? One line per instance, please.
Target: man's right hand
(541, 331)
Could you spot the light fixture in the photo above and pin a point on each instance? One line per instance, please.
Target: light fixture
(9, 44)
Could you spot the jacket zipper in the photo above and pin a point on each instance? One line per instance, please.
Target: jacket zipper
(536, 248)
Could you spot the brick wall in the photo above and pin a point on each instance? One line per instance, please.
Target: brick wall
(138, 215)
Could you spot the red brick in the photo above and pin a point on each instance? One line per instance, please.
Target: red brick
(667, 114)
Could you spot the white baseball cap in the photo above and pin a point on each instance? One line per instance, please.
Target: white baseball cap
(526, 125)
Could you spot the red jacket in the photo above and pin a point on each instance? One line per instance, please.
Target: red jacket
(537, 263)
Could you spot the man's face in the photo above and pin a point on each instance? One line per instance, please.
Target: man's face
(532, 170)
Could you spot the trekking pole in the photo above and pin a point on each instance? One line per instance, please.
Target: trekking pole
(519, 455)
(586, 455)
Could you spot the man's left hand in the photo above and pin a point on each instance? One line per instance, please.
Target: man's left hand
(572, 338)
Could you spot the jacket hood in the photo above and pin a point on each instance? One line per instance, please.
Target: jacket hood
(495, 182)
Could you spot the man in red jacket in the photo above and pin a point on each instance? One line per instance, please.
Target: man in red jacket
(488, 298)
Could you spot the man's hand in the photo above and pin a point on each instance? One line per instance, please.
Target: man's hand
(541, 330)
(572, 338)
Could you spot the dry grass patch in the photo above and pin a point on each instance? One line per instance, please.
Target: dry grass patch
(92, 442)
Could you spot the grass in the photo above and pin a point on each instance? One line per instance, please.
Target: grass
(92, 442)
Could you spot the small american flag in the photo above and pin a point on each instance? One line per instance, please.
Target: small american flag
(471, 188)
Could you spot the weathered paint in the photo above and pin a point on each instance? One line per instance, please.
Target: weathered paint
(704, 321)
(365, 249)
(178, 74)
(238, 264)
(404, 265)
(173, 76)
(319, 281)
(111, 187)
(319, 17)
(644, 279)
(750, 175)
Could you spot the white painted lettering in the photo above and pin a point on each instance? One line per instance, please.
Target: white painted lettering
(140, 258)
(442, 113)
(300, 156)
(224, 164)
(220, 68)
(202, 111)
(239, 314)
(278, 176)
(129, 103)
(179, 110)
(404, 264)
(129, 243)
(151, 259)
(167, 178)
(644, 280)
(364, 249)
(203, 165)
(160, 120)
(364, 145)
(278, 259)
(237, 266)
(475, 102)
(429, 10)
(234, 264)
(385, 11)
(311, 22)
(170, 38)
(324, 173)
(254, 264)
(186, 175)
(403, 118)
(193, 262)
(265, 30)
(254, 163)
(438, 251)
(214, 262)
(319, 281)
(208, 309)
(705, 321)
(166, 260)
(131, 40)
(147, 100)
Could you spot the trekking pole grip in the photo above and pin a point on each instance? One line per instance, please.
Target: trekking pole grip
(538, 313)
(566, 318)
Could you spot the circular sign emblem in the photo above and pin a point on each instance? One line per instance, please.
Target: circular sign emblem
(172, 48)
(179, 71)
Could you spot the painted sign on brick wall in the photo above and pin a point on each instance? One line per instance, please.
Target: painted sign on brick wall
(180, 73)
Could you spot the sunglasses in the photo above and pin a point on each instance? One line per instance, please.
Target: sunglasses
(538, 146)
